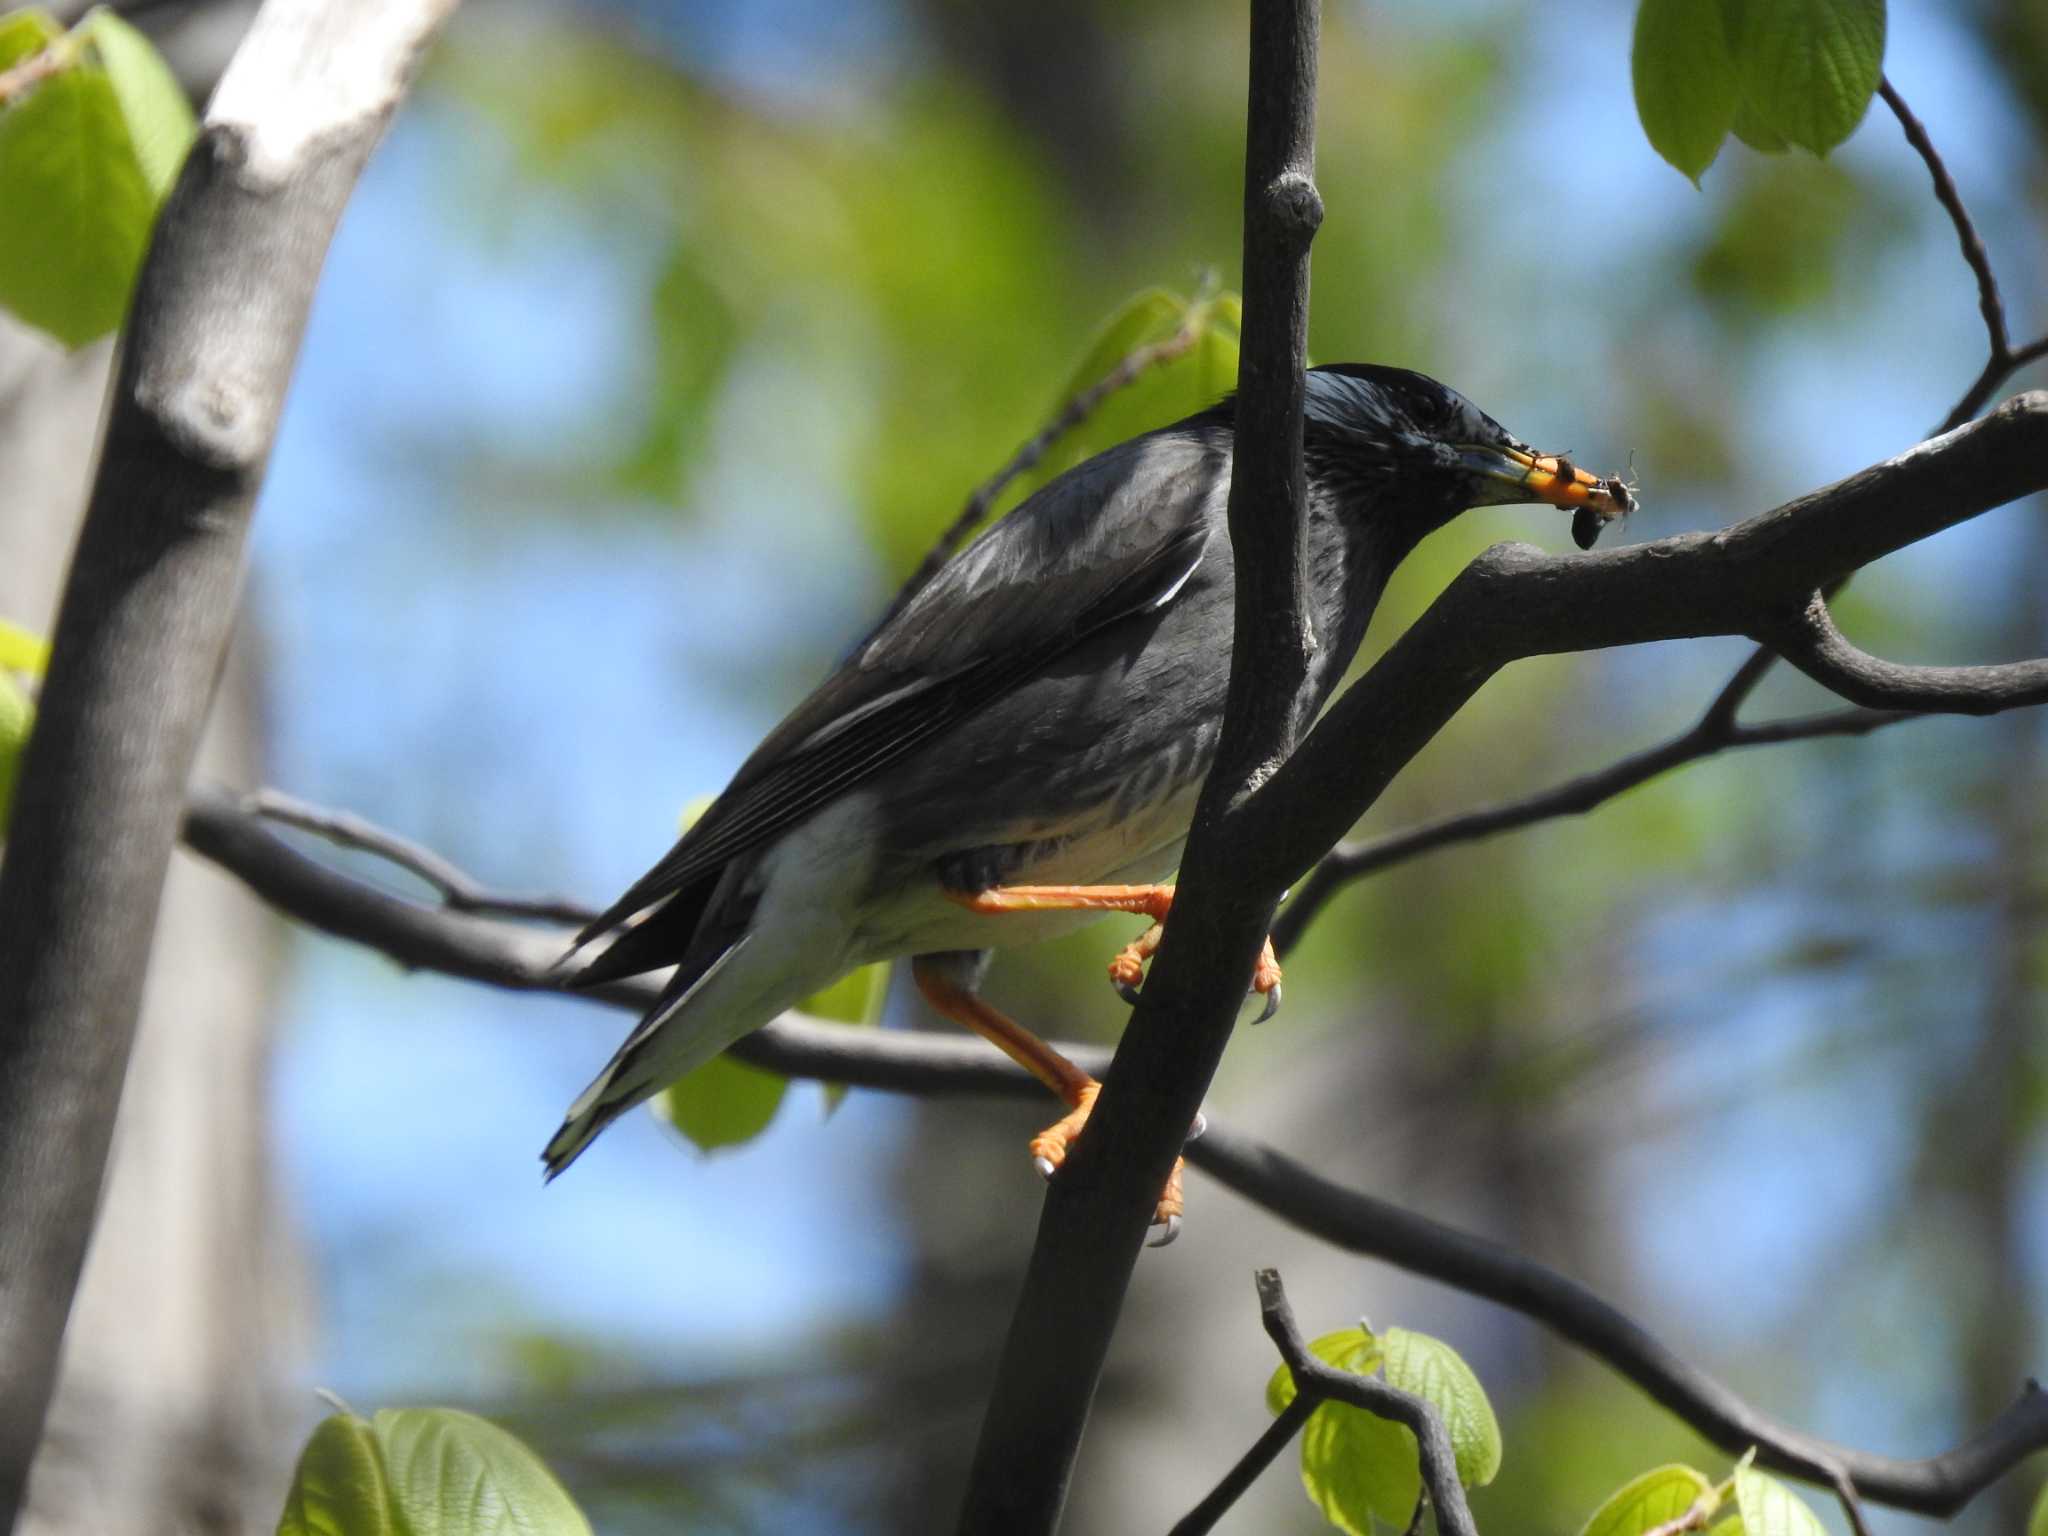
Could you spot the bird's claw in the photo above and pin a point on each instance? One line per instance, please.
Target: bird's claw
(1272, 1005)
(1045, 1168)
(1126, 991)
(1199, 1128)
(1163, 1232)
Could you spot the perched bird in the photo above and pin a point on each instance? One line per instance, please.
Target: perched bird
(1020, 747)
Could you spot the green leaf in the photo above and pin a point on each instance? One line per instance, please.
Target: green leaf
(1769, 1507)
(723, 1103)
(25, 32)
(2037, 1522)
(1809, 67)
(339, 1488)
(1354, 1464)
(1659, 1495)
(1432, 1370)
(21, 651)
(79, 206)
(17, 719)
(153, 105)
(1686, 83)
(454, 1474)
(1756, 133)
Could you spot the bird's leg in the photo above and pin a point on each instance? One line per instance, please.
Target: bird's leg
(1127, 970)
(1075, 1087)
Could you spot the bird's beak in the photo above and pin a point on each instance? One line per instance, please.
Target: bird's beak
(1516, 474)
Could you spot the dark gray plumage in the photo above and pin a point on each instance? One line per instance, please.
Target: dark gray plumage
(1042, 712)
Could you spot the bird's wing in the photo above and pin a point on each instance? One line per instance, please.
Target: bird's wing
(1117, 536)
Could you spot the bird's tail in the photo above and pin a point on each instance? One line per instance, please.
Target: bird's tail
(660, 1050)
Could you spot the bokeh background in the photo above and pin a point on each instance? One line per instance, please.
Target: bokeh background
(659, 342)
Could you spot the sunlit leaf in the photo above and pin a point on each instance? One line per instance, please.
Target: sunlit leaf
(454, 1474)
(1432, 1370)
(1354, 1464)
(339, 1488)
(1686, 84)
(723, 1103)
(1659, 1495)
(153, 104)
(1808, 67)
(25, 32)
(1769, 1507)
(2037, 1522)
(64, 153)
(21, 651)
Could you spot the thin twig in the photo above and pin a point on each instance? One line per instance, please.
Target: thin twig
(1077, 410)
(1233, 1485)
(460, 892)
(2004, 358)
(1693, 1518)
(1852, 1506)
(1713, 734)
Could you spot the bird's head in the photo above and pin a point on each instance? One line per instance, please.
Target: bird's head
(1403, 443)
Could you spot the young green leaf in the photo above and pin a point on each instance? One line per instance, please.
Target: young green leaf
(79, 205)
(454, 1474)
(1432, 1370)
(338, 1488)
(2037, 1522)
(1808, 67)
(1660, 1495)
(17, 718)
(1686, 86)
(153, 104)
(1354, 1464)
(1769, 1508)
(723, 1103)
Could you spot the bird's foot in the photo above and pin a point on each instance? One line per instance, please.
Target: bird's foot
(1050, 1146)
(1127, 971)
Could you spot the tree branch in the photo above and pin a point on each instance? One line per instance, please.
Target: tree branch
(1813, 644)
(1374, 1228)
(1514, 601)
(217, 315)
(1315, 1383)
(1715, 733)
(1096, 1211)
(505, 954)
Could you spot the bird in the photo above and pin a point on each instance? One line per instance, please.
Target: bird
(1017, 748)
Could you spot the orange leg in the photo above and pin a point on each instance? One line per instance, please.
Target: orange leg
(1127, 970)
(1075, 1087)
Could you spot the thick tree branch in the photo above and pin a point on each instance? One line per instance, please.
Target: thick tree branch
(1752, 579)
(512, 955)
(1813, 645)
(1096, 1212)
(217, 315)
